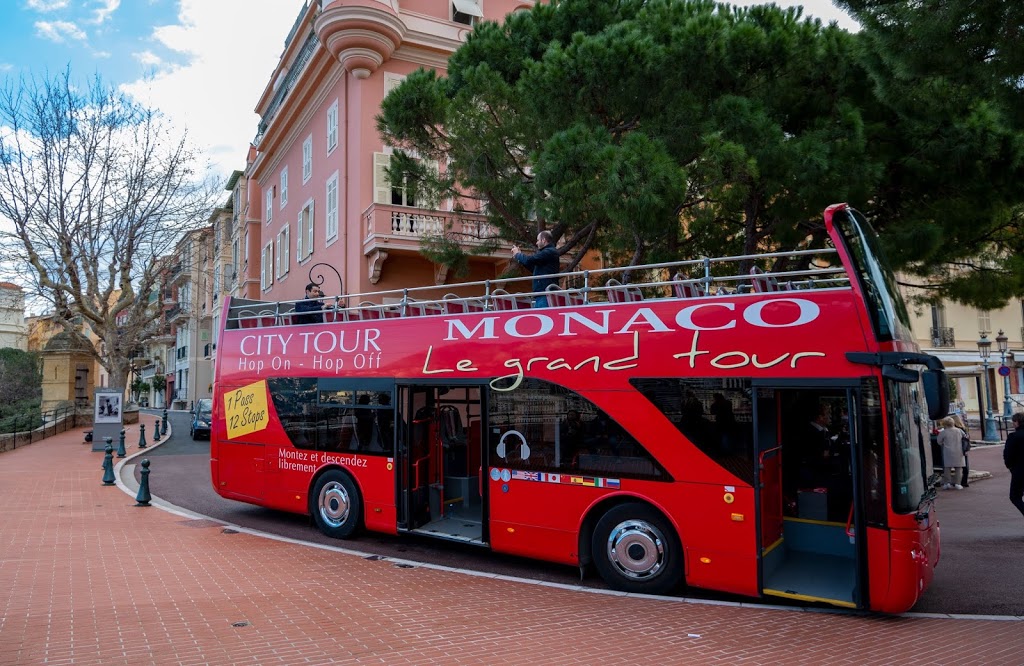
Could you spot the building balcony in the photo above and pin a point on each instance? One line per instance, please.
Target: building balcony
(163, 333)
(177, 313)
(182, 274)
(401, 230)
(943, 338)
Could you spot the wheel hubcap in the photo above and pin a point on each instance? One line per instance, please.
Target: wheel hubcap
(334, 504)
(636, 549)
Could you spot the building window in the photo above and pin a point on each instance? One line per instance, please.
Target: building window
(332, 127)
(984, 321)
(284, 187)
(385, 192)
(283, 252)
(304, 241)
(467, 12)
(332, 207)
(267, 267)
(307, 158)
(268, 209)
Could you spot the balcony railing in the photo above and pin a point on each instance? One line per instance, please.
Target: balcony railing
(417, 223)
(943, 337)
(177, 312)
(299, 64)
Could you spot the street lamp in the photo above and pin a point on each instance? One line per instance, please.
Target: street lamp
(985, 348)
(1003, 343)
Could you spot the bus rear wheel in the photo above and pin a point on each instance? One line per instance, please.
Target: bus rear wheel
(337, 505)
(636, 550)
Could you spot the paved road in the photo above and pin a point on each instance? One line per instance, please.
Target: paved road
(982, 533)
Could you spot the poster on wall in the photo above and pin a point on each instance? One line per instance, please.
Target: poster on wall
(108, 408)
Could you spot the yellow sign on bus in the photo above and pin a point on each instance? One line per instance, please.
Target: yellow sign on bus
(245, 409)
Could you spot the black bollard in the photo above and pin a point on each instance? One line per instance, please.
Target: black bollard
(163, 428)
(142, 435)
(143, 497)
(108, 463)
(156, 431)
(121, 453)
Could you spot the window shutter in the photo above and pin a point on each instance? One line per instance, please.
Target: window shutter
(309, 230)
(286, 241)
(381, 184)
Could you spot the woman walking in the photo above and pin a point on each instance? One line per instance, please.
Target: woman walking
(950, 440)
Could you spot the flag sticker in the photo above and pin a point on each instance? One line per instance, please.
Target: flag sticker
(564, 479)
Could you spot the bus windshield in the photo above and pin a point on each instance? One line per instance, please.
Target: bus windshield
(889, 316)
(909, 446)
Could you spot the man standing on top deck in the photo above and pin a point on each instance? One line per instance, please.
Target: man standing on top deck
(544, 264)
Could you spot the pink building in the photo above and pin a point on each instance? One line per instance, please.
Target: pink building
(315, 182)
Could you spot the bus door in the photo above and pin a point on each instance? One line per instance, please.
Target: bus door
(812, 544)
(439, 457)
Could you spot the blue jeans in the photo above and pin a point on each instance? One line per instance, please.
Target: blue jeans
(540, 301)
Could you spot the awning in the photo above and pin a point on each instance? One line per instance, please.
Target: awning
(468, 7)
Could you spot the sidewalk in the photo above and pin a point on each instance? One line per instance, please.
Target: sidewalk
(91, 579)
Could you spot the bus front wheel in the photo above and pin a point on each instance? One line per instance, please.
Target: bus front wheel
(337, 505)
(636, 550)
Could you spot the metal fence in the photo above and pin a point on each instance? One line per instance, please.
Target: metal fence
(32, 426)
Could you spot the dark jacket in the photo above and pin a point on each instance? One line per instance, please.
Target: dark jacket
(544, 264)
(311, 306)
(1013, 452)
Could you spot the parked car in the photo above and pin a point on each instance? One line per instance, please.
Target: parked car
(201, 415)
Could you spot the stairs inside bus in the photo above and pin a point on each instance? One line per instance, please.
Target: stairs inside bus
(813, 561)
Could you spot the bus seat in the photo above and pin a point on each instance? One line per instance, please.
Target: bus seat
(684, 288)
(453, 304)
(368, 310)
(247, 319)
(762, 282)
(502, 300)
(621, 293)
(267, 318)
(557, 297)
(475, 305)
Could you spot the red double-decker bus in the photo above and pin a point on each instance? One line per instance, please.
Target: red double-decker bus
(755, 425)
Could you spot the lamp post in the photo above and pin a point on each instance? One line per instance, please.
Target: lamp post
(985, 348)
(1003, 343)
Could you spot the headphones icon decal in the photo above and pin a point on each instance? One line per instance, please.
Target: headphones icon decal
(503, 450)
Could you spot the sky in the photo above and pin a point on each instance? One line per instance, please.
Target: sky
(203, 63)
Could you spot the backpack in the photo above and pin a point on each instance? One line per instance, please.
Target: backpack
(965, 442)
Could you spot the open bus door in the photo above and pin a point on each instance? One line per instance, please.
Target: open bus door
(439, 456)
(812, 544)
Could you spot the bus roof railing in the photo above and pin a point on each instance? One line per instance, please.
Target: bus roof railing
(692, 278)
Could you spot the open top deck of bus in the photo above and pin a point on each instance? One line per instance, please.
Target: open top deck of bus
(720, 276)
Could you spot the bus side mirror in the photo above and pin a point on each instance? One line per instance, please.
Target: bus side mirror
(936, 393)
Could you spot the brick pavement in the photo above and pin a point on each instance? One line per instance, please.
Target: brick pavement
(88, 578)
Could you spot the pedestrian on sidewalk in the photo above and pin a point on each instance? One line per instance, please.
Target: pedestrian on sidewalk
(966, 446)
(950, 440)
(1013, 458)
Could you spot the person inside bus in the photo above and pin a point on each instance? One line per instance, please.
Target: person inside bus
(364, 423)
(573, 432)
(311, 307)
(543, 263)
(725, 422)
(818, 454)
(385, 421)
(604, 435)
(951, 443)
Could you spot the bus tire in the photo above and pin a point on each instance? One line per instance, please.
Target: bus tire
(336, 505)
(635, 549)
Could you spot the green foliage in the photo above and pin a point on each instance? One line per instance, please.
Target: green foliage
(159, 382)
(670, 129)
(21, 379)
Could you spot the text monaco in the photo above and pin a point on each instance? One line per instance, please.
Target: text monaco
(533, 325)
